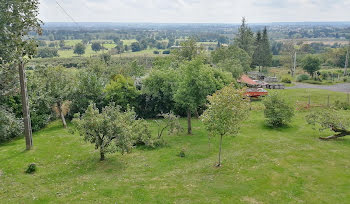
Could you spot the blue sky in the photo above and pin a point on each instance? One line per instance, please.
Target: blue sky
(195, 11)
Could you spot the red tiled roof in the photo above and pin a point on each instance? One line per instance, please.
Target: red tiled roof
(245, 79)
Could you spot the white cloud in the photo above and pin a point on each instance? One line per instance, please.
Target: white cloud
(199, 11)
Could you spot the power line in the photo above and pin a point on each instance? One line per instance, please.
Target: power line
(68, 14)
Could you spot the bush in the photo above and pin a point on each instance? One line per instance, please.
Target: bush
(303, 77)
(278, 112)
(341, 105)
(182, 153)
(31, 168)
(155, 52)
(287, 80)
(166, 52)
(10, 126)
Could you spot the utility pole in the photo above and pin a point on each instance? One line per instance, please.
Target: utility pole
(25, 106)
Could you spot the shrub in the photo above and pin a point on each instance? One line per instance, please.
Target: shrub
(278, 112)
(31, 168)
(182, 153)
(166, 52)
(341, 105)
(303, 77)
(287, 80)
(156, 52)
(10, 126)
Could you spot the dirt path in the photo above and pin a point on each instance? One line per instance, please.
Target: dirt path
(344, 87)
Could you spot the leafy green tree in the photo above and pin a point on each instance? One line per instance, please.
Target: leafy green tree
(96, 46)
(188, 50)
(232, 53)
(245, 38)
(195, 82)
(311, 64)
(170, 122)
(59, 83)
(10, 126)
(278, 111)
(111, 130)
(135, 47)
(232, 66)
(122, 91)
(17, 19)
(79, 49)
(226, 111)
(329, 119)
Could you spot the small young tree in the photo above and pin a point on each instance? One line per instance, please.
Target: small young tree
(171, 122)
(311, 64)
(79, 49)
(278, 112)
(330, 119)
(226, 111)
(111, 130)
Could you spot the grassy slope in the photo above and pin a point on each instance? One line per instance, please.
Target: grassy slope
(259, 165)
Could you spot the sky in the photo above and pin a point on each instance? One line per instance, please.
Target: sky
(195, 11)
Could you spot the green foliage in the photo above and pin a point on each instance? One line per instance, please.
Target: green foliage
(233, 55)
(17, 19)
(325, 119)
(287, 80)
(31, 168)
(233, 66)
(245, 38)
(135, 47)
(112, 130)
(122, 91)
(47, 52)
(227, 109)
(79, 49)
(278, 111)
(303, 77)
(10, 126)
(96, 46)
(341, 105)
(311, 64)
(188, 50)
(170, 122)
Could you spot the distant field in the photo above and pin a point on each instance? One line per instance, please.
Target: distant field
(327, 41)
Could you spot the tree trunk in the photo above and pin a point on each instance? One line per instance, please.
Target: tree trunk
(196, 113)
(189, 126)
(59, 107)
(219, 164)
(346, 62)
(25, 107)
(341, 133)
(102, 156)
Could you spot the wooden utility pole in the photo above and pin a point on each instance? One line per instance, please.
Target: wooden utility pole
(25, 106)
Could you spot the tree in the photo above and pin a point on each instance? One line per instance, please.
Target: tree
(290, 52)
(226, 111)
(96, 46)
(62, 44)
(58, 82)
(311, 64)
(122, 91)
(188, 50)
(170, 122)
(266, 49)
(257, 59)
(195, 82)
(17, 19)
(111, 130)
(245, 38)
(329, 119)
(232, 53)
(135, 47)
(278, 112)
(79, 49)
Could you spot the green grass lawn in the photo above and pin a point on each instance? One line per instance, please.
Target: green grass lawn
(260, 165)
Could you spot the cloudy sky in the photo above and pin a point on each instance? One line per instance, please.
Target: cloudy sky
(195, 11)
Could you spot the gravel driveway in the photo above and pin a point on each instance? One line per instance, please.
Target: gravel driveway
(344, 87)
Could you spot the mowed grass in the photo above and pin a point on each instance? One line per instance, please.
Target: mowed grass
(260, 165)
